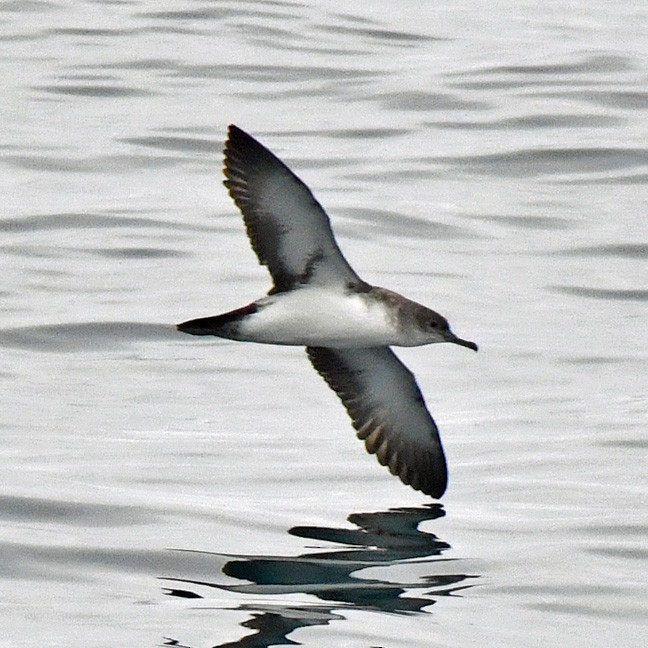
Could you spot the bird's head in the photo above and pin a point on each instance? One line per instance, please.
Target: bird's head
(435, 328)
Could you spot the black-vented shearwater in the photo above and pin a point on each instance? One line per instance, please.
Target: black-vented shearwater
(347, 326)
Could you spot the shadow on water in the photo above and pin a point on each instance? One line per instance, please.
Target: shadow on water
(388, 540)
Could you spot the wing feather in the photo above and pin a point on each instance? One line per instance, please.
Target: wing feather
(388, 412)
(288, 229)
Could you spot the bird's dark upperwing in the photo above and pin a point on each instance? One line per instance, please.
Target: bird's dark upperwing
(288, 229)
(388, 412)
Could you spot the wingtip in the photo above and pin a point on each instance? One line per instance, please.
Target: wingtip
(439, 492)
(434, 485)
(233, 131)
(240, 146)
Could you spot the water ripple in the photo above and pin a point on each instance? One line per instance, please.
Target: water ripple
(621, 250)
(30, 510)
(533, 122)
(80, 220)
(166, 143)
(85, 336)
(550, 161)
(602, 293)
(91, 90)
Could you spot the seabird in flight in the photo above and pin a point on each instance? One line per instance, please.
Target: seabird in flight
(347, 325)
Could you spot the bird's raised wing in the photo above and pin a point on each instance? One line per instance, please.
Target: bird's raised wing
(387, 409)
(288, 229)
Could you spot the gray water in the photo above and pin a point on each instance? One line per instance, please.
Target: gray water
(486, 159)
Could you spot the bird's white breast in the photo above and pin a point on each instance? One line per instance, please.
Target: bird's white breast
(321, 317)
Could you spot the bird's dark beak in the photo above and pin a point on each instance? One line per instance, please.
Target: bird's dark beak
(451, 337)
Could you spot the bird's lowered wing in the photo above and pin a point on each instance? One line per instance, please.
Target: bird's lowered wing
(388, 412)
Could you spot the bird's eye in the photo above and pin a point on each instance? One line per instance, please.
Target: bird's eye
(434, 324)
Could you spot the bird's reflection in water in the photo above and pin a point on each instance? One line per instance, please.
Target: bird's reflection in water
(389, 540)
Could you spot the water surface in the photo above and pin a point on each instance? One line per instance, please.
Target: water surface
(159, 489)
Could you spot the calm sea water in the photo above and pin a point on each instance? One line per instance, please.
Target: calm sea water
(487, 160)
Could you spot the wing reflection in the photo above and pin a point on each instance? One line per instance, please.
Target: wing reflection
(384, 557)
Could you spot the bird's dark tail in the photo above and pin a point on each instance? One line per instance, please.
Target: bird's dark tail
(225, 325)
